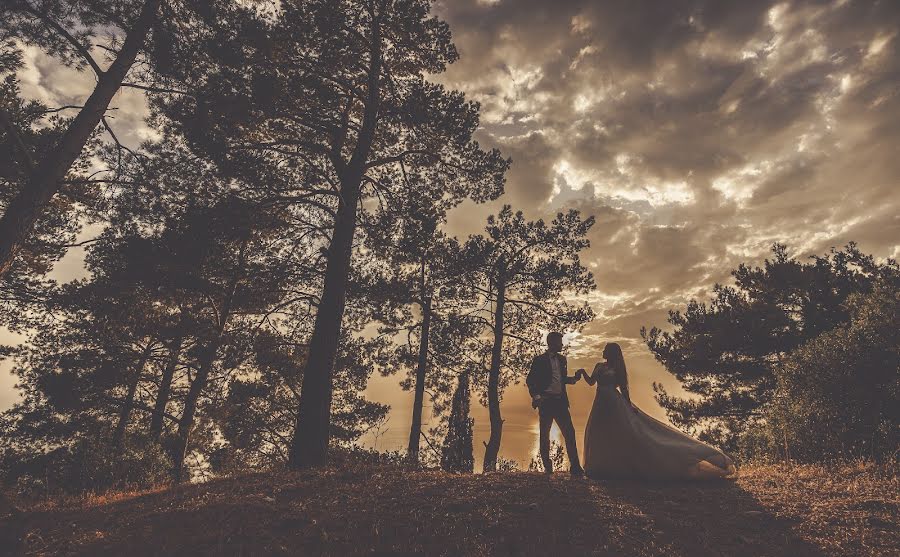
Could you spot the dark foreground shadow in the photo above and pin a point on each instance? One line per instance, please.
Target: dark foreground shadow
(707, 518)
(343, 513)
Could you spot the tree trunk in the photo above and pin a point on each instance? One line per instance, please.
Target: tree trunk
(207, 358)
(40, 187)
(165, 387)
(309, 447)
(492, 447)
(186, 423)
(128, 405)
(311, 435)
(415, 431)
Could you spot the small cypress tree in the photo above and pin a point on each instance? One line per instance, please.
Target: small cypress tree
(456, 453)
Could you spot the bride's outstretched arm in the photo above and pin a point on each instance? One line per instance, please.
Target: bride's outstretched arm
(592, 378)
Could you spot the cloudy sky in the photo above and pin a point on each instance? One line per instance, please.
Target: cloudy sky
(697, 132)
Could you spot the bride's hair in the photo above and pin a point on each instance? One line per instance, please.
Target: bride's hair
(613, 354)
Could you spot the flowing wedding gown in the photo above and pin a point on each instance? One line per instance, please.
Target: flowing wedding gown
(621, 441)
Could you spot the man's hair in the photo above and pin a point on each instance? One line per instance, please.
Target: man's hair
(554, 334)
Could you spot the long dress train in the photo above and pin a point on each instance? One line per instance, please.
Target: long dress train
(622, 441)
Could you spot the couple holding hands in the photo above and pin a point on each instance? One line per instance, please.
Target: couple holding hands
(620, 440)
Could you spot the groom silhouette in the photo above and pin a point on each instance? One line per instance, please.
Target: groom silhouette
(547, 382)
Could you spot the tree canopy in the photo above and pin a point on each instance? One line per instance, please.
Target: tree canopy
(729, 352)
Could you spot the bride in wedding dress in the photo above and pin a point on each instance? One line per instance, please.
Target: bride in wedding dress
(621, 441)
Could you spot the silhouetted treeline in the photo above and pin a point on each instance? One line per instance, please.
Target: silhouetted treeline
(278, 241)
(799, 359)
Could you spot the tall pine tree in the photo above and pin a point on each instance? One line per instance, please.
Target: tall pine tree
(456, 452)
(522, 272)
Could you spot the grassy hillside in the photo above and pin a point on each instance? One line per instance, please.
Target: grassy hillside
(387, 511)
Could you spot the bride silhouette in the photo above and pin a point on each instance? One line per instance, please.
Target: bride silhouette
(621, 441)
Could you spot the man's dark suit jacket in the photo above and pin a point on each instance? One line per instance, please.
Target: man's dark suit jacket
(541, 374)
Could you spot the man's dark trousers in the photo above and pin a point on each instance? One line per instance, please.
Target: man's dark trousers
(556, 408)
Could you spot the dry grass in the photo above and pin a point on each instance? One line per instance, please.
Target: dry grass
(770, 510)
(848, 509)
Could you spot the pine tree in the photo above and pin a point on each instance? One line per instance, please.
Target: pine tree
(66, 29)
(456, 452)
(728, 352)
(333, 97)
(521, 270)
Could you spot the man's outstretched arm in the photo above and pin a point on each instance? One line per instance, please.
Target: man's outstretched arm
(567, 379)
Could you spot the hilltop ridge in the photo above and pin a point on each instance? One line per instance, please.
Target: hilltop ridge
(366, 510)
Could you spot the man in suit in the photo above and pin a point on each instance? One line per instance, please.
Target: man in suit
(547, 382)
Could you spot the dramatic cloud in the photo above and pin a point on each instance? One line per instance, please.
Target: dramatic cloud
(698, 132)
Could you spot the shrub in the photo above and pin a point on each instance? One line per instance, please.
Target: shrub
(507, 465)
(557, 458)
(838, 395)
(89, 466)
